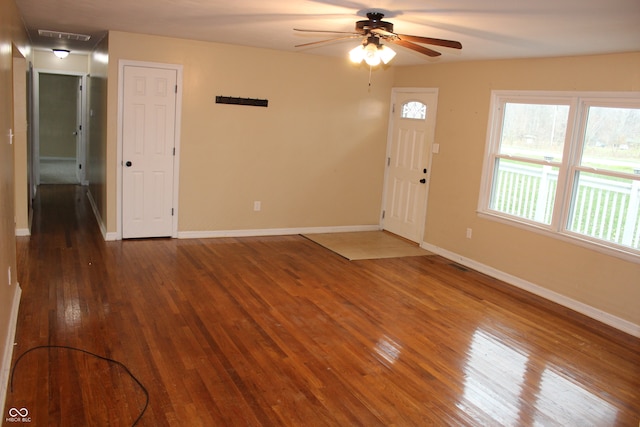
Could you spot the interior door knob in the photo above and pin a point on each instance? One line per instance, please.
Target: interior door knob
(128, 164)
(423, 181)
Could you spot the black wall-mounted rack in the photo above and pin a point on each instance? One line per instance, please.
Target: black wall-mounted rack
(242, 101)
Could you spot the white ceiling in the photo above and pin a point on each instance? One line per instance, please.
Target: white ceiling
(489, 29)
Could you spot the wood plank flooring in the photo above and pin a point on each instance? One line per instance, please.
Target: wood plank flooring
(278, 331)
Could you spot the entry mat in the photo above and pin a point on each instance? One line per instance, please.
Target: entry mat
(367, 245)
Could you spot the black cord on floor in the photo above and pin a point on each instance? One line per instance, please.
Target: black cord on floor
(115, 362)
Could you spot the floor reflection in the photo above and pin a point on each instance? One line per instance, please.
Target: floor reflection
(388, 349)
(494, 375)
(561, 401)
(513, 388)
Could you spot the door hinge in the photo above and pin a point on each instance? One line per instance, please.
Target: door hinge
(171, 211)
(393, 108)
(383, 213)
(174, 151)
(176, 88)
(388, 161)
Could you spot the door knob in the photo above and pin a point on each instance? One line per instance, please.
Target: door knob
(423, 181)
(128, 164)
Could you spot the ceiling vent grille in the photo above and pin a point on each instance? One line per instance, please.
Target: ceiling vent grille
(64, 36)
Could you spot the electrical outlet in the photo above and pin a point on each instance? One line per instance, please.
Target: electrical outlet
(257, 205)
(469, 233)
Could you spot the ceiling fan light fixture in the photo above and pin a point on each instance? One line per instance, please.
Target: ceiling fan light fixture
(61, 53)
(357, 54)
(386, 54)
(372, 53)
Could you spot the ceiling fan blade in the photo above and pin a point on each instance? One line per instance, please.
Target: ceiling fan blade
(428, 40)
(329, 40)
(325, 31)
(413, 46)
(383, 33)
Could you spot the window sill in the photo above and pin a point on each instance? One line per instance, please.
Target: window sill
(615, 251)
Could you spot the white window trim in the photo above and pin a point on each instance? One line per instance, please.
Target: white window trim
(577, 102)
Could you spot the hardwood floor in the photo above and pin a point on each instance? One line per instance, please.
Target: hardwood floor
(272, 331)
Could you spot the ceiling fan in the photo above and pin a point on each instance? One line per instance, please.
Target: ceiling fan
(373, 30)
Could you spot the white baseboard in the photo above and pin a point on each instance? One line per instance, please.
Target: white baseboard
(274, 231)
(103, 229)
(587, 310)
(110, 237)
(21, 232)
(7, 353)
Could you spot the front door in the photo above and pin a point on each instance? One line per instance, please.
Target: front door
(148, 150)
(408, 158)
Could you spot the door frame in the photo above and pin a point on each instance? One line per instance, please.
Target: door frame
(430, 149)
(82, 131)
(81, 141)
(22, 104)
(122, 63)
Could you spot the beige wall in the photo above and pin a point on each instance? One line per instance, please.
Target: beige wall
(96, 172)
(314, 157)
(20, 150)
(13, 43)
(45, 60)
(601, 281)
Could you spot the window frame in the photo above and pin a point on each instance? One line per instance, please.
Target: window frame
(568, 167)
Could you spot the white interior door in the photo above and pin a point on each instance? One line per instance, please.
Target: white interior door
(148, 151)
(412, 128)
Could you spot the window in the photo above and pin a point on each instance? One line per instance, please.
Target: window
(566, 163)
(414, 110)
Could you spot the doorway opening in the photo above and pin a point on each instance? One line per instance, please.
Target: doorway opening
(59, 128)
